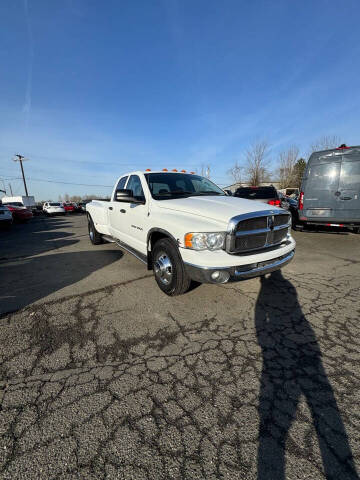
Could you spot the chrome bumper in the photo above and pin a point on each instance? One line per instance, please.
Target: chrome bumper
(232, 274)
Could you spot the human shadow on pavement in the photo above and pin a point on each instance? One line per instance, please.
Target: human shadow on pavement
(27, 280)
(292, 367)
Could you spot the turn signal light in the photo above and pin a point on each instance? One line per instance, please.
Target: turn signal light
(188, 238)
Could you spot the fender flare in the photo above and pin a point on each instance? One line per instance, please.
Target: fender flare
(148, 239)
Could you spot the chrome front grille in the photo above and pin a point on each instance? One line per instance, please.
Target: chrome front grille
(257, 231)
(252, 224)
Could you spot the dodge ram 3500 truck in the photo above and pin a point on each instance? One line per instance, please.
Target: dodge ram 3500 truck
(184, 228)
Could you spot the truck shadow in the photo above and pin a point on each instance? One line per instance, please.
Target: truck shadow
(292, 367)
(26, 280)
(39, 235)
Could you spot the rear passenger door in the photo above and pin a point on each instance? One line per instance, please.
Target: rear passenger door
(321, 187)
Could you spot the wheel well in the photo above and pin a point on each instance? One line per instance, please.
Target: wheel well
(153, 238)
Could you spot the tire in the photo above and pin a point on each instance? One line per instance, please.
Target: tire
(298, 228)
(356, 230)
(169, 269)
(94, 235)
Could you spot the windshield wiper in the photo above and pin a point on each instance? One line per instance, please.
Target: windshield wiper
(211, 192)
(175, 192)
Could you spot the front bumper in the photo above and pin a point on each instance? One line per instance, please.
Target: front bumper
(230, 274)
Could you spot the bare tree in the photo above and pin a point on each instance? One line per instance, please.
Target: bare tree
(287, 162)
(257, 163)
(205, 171)
(66, 197)
(325, 143)
(235, 172)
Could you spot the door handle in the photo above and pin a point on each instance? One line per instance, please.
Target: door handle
(110, 208)
(345, 198)
(122, 211)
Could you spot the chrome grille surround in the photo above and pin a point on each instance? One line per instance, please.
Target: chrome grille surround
(274, 231)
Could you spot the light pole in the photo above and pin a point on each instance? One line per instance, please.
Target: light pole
(10, 189)
(20, 158)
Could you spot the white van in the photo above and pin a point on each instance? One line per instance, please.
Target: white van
(21, 201)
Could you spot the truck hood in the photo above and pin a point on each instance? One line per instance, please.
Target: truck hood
(220, 208)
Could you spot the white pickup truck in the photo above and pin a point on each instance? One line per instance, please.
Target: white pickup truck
(185, 228)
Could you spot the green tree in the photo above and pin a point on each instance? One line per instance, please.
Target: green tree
(299, 169)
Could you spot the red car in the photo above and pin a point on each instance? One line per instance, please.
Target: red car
(20, 214)
(69, 207)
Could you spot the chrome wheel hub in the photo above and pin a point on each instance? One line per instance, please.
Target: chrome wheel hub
(163, 268)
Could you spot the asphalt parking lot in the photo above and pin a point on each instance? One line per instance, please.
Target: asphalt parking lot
(103, 376)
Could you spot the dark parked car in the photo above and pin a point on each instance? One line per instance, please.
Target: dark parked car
(266, 194)
(330, 190)
(284, 201)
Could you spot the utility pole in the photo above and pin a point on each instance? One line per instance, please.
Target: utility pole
(3, 182)
(21, 159)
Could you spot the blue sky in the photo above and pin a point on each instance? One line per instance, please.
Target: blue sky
(90, 89)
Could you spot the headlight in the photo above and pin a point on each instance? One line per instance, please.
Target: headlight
(205, 241)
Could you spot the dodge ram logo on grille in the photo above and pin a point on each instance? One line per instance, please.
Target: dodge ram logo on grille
(270, 223)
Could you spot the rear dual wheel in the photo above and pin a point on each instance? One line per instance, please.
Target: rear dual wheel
(94, 235)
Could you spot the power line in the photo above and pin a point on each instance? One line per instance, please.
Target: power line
(64, 183)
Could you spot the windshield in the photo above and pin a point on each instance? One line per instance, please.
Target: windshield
(54, 204)
(164, 186)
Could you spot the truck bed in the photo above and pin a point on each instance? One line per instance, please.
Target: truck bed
(98, 209)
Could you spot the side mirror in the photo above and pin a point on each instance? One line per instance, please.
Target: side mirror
(125, 195)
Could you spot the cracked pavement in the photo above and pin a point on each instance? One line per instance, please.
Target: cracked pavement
(102, 376)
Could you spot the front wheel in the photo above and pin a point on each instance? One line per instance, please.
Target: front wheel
(169, 269)
(94, 235)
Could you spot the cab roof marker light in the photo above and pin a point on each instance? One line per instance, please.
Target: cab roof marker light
(183, 171)
(148, 170)
(165, 170)
(192, 173)
(174, 170)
